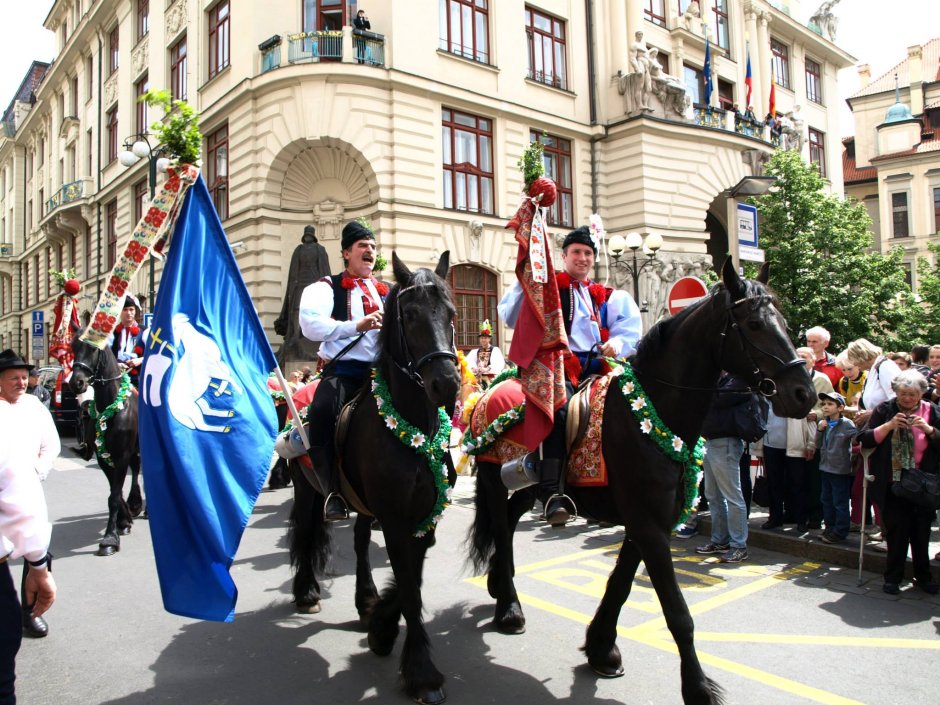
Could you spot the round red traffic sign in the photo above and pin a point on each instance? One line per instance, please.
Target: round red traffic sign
(685, 292)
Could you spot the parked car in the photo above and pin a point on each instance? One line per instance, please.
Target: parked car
(64, 405)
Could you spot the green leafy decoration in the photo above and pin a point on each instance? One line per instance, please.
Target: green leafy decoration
(178, 132)
(530, 163)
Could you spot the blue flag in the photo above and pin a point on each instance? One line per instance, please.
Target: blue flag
(707, 74)
(207, 422)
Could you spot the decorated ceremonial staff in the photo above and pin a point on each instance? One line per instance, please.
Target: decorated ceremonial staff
(344, 313)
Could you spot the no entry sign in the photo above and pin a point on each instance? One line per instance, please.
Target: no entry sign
(685, 292)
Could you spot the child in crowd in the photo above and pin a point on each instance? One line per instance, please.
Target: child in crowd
(834, 437)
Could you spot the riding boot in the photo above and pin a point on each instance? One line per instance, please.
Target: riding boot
(559, 507)
(327, 476)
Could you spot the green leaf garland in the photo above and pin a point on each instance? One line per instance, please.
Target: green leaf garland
(101, 420)
(669, 443)
(432, 449)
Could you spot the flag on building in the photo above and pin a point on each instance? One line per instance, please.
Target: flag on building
(748, 80)
(707, 73)
(772, 105)
(207, 422)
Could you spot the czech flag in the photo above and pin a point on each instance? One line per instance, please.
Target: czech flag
(748, 81)
(772, 109)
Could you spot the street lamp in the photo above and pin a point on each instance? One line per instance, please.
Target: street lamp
(138, 147)
(634, 241)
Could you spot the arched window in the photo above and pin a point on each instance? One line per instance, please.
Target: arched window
(475, 297)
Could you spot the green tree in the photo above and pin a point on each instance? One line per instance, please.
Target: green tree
(928, 287)
(821, 264)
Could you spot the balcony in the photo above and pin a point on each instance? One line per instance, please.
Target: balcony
(721, 119)
(67, 194)
(347, 46)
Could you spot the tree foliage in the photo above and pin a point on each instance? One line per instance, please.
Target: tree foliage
(821, 265)
(928, 287)
(179, 131)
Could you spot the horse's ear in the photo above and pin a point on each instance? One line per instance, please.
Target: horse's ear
(733, 282)
(443, 264)
(402, 273)
(763, 276)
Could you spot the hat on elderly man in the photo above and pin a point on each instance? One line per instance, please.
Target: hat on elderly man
(581, 236)
(832, 396)
(9, 360)
(353, 233)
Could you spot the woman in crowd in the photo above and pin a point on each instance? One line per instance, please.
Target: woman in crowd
(867, 356)
(905, 432)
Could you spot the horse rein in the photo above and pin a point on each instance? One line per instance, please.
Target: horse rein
(94, 372)
(766, 385)
(413, 368)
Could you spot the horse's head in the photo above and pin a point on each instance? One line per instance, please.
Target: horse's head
(756, 347)
(418, 329)
(91, 364)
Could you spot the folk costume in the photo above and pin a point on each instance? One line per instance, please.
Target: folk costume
(593, 315)
(487, 361)
(128, 343)
(329, 312)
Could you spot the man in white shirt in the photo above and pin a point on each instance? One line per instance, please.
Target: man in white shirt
(597, 320)
(343, 312)
(24, 524)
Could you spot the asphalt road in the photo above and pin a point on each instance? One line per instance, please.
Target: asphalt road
(773, 630)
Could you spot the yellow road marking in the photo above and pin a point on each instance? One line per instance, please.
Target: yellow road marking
(820, 640)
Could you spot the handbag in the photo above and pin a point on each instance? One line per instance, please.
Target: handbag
(760, 495)
(918, 487)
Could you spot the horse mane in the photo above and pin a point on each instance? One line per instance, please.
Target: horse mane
(662, 331)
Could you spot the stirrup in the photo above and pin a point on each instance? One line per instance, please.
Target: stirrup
(563, 513)
(335, 515)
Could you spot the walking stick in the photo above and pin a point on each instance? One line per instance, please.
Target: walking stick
(866, 478)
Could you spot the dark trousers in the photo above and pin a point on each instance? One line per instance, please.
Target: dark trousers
(906, 524)
(11, 634)
(813, 486)
(834, 494)
(785, 478)
(332, 393)
(553, 447)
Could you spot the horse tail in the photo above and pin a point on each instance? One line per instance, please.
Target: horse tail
(482, 539)
(308, 535)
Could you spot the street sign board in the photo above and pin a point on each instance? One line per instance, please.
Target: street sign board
(751, 254)
(148, 320)
(747, 225)
(685, 292)
(38, 336)
(38, 316)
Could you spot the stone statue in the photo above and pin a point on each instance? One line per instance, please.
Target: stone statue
(309, 263)
(692, 12)
(825, 20)
(640, 63)
(669, 89)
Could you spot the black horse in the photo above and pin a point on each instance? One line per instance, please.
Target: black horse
(736, 328)
(99, 368)
(399, 486)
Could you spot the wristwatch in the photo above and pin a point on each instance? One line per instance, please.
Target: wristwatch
(46, 560)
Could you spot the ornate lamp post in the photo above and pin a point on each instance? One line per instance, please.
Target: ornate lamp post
(634, 241)
(138, 147)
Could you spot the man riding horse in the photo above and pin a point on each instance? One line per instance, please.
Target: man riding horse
(129, 339)
(344, 313)
(598, 321)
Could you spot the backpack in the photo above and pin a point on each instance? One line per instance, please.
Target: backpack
(750, 418)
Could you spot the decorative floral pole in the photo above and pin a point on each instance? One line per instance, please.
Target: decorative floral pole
(182, 142)
(66, 319)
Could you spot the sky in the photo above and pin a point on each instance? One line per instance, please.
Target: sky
(876, 32)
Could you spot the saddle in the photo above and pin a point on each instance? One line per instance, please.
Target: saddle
(343, 422)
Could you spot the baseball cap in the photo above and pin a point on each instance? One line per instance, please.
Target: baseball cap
(832, 396)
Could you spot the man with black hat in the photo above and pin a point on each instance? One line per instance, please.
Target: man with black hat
(598, 321)
(128, 342)
(34, 442)
(344, 313)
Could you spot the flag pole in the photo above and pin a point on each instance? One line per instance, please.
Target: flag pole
(295, 417)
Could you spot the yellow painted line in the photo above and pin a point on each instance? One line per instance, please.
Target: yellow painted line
(569, 558)
(763, 677)
(820, 640)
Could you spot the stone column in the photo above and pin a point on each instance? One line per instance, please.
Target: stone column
(635, 21)
(763, 61)
(757, 94)
(619, 37)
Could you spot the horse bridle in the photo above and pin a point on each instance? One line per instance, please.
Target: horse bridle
(413, 367)
(94, 372)
(766, 385)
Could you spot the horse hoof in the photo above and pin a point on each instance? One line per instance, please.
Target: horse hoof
(107, 550)
(607, 671)
(313, 608)
(431, 697)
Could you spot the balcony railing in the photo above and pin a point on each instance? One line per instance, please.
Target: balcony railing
(549, 79)
(68, 193)
(9, 128)
(314, 46)
(369, 47)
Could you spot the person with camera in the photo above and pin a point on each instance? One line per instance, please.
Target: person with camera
(905, 433)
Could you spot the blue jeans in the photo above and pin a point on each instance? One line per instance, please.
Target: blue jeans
(835, 491)
(723, 490)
